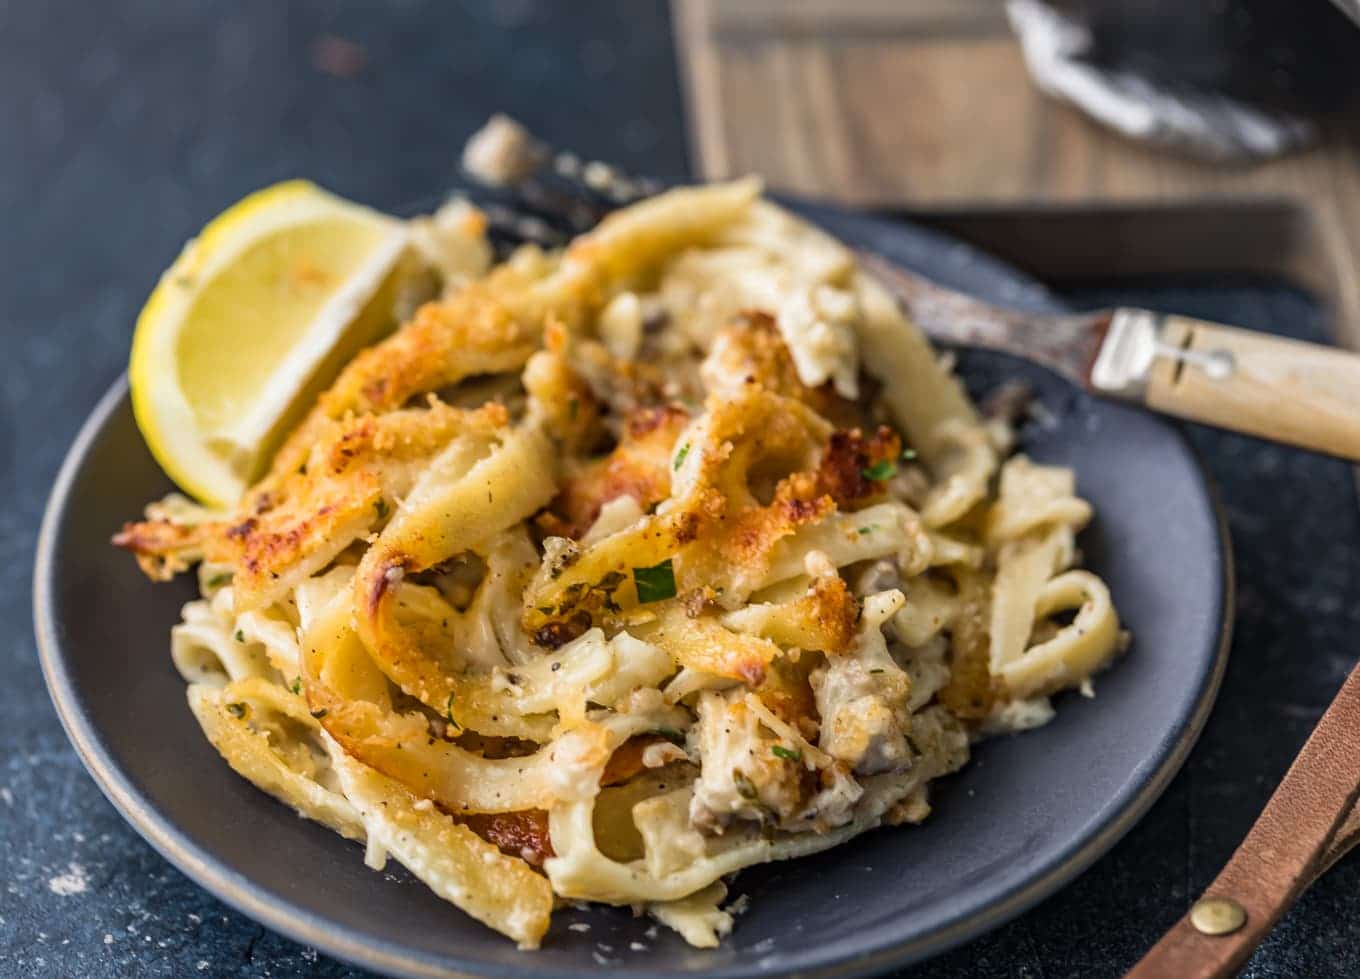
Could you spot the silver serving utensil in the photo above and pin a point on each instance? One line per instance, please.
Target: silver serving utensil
(1287, 391)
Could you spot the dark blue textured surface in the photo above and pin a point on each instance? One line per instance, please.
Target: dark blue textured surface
(126, 125)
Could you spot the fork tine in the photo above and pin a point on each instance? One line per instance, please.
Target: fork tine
(1066, 343)
(508, 229)
(552, 190)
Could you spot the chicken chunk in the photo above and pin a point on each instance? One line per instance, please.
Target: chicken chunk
(863, 700)
(741, 776)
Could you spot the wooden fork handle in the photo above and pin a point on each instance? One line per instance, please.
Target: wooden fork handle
(1284, 390)
(1307, 825)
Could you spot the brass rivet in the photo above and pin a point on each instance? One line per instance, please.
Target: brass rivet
(1217, 916)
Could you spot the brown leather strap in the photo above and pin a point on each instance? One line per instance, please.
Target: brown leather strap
(1344, 841)
(1308, 824)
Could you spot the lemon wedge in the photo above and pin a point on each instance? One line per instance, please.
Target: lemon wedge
(254, 319)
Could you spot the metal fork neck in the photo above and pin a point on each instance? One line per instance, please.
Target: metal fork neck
(1133, 343)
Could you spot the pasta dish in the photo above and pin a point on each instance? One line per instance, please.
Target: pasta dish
(619, 568)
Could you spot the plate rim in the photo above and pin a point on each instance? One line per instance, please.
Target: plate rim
(309, 928)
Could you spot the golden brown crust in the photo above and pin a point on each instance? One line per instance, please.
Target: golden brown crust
(162, 549)
(481, 329)
(639, 466)
(746, 538)
(849, 459)
(347, 483)
(828, 612)
(752, 349)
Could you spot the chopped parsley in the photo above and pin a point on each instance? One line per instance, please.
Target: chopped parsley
(788, 754)
(671, 735)
(240, 636)
(318, 714)
(866, 531)
(573, 409)
(380, 505)
(680, 456)
(297, 685)
(236, 709)
(880, 470)
(218, 580)
(908, 455)
(655, 584)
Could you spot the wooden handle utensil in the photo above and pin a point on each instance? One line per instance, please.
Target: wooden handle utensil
(1288, 391)
(1284, 390)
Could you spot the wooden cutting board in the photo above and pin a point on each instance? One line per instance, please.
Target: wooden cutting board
(926, 106)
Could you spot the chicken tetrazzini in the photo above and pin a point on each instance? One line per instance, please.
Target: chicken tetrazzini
(618, 569)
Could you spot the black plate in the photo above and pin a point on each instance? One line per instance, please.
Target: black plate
(1027, 815)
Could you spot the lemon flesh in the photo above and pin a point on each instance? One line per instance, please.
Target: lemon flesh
(253, 320)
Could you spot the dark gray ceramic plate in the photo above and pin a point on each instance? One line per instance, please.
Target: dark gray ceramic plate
(1029, 814)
